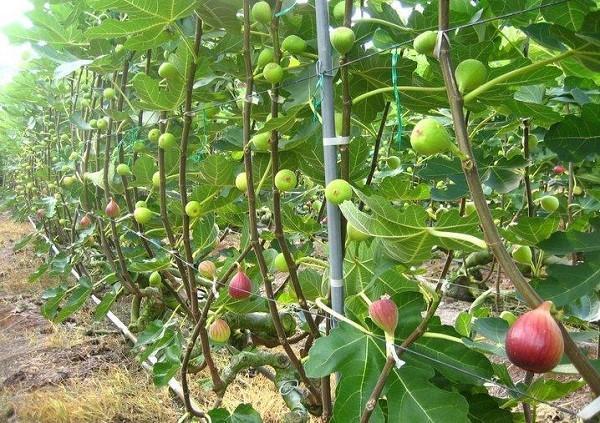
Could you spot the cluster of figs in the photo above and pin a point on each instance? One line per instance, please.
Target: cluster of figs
(533, 342)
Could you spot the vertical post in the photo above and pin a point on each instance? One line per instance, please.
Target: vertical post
(334, 228)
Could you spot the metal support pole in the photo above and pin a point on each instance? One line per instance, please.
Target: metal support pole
(325, 64)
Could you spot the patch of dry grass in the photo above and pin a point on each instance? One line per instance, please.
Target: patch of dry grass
(116, 395)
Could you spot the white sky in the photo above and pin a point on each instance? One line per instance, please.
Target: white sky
(10, 55)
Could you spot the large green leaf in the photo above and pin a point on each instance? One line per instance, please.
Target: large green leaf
(531, 230)
(359, 359)
(562, 243)
(576, 138)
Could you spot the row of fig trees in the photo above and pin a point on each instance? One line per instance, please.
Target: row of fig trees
(172, 151)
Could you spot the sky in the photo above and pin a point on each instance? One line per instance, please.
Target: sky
(10, 55)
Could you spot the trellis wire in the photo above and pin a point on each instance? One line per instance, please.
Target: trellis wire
(367, 56)
(513, 390)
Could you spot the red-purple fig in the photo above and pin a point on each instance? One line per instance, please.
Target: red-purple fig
(534, 342)
(219, 331)
(85, 221)
(112, 209)
(40, 213)
(558, 169)
(384, 314)
(240, 286)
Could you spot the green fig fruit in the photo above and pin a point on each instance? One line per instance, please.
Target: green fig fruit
(267, 55)
(285, 180)
(142, 215)
(241, 183)
(338, 191)
(425, 42)
(342, 39)
(429, 137)
(354, 234)
(123, 170)
(393, 162)
(261, 141)
(470, 74)
(273, 73)
(167, 141)
(293, 44)
(280, 264)
(154, 135)
(168, 70)
(109, 93)
(549, 203)
(193, 209)
(261, 12)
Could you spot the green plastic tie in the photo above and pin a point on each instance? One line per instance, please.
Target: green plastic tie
(395, 57)
(286, 10)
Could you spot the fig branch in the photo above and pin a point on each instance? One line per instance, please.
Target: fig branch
(279, 232)
(183, 148)
(490, 231)
(256, 245)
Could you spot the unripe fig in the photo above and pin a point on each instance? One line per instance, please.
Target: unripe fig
(429, 137)
(354, 234)
(508, 317)
(470, 74)
(393, 162)
(154, 135)
(73, 156)
(123, 170)
(293, 44)
(93, 123)
(534, 342)
(139, 146)
(558, 169)
(193, 208)
(167, 141)
(112, 209)
(549, 203)
(109, 93)
(522, 254)
(240, 182)
(155, 279)
(240, 286)
(85, 221)
(577, 190)
(425, 43)
(273, 73)
(119, 48)
(261, 12)
(142, 215)
(532, 143)
(102, 123)
(168, 70)
(207, 269)
(339, 11)
(156, 179)
(267, 55)
(384, 314)
(141, 203)
(285, 180)
(67, 181)
(469, 208)
(338, 191)
(280, 264)
(261, 141)
(342, 39)
(219, 331)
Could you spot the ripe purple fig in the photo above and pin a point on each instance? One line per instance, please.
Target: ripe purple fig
(384, 314)
(240, 286)
(112, 209)
(534, 342)
(219, 331)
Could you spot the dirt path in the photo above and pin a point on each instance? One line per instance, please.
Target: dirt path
(79, 371)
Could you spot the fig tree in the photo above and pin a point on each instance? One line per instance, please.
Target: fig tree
(470, 74)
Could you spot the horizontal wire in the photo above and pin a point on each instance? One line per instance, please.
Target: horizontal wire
(381, 338)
